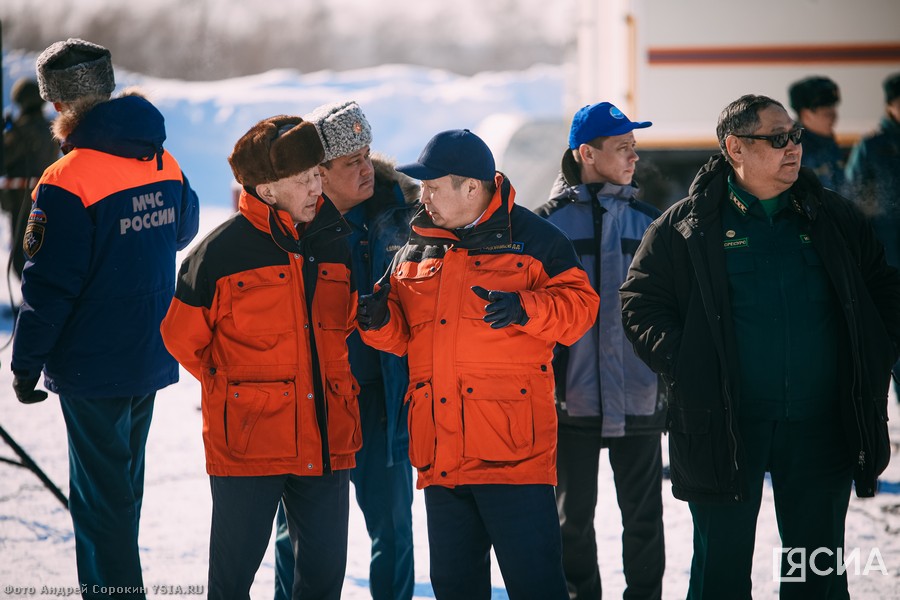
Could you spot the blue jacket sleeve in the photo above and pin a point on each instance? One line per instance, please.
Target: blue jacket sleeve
(54, 275)
(189, 222)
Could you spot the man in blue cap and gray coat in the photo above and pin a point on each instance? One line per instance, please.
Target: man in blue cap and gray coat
(606, 397)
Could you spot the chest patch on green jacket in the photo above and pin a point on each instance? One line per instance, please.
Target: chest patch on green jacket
(738, 243)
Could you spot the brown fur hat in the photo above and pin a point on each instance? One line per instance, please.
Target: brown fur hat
(275, 148)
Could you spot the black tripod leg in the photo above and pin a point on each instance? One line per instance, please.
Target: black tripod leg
(29, 464)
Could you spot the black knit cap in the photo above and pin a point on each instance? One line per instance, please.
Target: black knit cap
(892, 88)
(813, 92)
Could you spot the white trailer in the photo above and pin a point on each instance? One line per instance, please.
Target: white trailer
(679, 62)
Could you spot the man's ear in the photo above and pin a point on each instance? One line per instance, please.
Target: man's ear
(586, 152)
(735, 148)
(264, 191)
(323, 174)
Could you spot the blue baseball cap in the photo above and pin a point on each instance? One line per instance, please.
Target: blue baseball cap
(454, 152)
(603, 119)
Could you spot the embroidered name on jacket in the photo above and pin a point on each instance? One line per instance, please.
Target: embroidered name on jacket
(511, 247)
(738, 243)
(148, 212)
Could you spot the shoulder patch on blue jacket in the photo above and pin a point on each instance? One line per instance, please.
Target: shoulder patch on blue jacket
(34, 232)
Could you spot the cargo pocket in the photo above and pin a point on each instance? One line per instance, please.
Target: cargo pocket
(261, 419)
(332, 298)
(691, 450)
(498, 419)
(344, 433)
(257, 298)
(417, 288)
(421, 425)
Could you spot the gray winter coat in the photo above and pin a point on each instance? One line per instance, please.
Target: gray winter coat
(600, 381)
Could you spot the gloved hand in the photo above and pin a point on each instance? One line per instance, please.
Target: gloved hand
(505, 308)
(25, 392)
(372, 310)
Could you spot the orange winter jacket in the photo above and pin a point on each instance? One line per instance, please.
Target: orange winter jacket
(261, 315)
(481, 407)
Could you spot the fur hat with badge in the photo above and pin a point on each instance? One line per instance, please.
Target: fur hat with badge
(74, 69)
(275, 148)
(343, 128)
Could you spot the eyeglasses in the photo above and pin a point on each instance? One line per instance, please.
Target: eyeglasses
(778, 140)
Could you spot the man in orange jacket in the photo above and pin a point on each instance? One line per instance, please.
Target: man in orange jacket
(477, 299)
(261, 314)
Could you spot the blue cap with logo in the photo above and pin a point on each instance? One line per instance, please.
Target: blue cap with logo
(453, 152)
(602, 119)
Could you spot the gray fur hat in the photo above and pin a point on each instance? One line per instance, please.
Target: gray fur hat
(72, 69)
(342, 126)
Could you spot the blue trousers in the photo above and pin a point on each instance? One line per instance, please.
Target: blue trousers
(316, 510)
(384, 495)
(636, 463)
(107, 437)
(811, 480)
(519, 521)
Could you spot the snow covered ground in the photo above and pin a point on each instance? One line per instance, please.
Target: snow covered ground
(406, 107)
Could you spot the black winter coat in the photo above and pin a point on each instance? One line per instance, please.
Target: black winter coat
(677, 313)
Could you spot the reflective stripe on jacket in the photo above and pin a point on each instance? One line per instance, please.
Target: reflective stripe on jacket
(260, 317)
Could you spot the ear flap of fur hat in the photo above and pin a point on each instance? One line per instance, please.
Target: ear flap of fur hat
(275, 148)
(74, 69)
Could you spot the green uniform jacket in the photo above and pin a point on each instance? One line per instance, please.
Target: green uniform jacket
(677, 313)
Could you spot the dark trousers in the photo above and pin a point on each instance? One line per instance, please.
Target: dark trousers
(107, 437)
(519, 521)
(811, 480)
(636, 463)
(316, 510)
(385, 496)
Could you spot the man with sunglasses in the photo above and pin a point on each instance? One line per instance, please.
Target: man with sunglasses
(765, 301)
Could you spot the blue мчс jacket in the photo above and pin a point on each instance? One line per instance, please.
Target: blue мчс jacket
(106, 223)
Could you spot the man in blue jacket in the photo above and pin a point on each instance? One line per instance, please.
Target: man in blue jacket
(605, 396)
(377, 203)
(873, 174)
(100, 242)
(815, 100)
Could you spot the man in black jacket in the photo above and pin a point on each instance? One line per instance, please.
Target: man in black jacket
(765, 301)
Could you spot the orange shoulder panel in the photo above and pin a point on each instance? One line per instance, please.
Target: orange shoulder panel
(93, 175)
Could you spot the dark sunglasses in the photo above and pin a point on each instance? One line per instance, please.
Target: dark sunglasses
(778, 140)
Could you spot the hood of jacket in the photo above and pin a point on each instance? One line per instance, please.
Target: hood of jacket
(710, 185)
(130, 127)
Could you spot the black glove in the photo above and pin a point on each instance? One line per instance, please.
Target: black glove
(505, 308)
(25, 392)
(372, 311)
